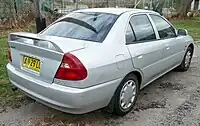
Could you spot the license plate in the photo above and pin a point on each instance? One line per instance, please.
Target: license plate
(31, 63)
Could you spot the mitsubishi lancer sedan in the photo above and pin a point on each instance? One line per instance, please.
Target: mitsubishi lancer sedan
(97, 58)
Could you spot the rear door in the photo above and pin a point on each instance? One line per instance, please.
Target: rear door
(146, 51)
(174, 47)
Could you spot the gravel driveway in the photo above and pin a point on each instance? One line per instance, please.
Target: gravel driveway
(173, 100)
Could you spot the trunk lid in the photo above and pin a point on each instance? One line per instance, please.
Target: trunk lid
(40, 56)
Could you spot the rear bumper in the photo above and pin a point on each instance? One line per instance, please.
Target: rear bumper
(67, 99)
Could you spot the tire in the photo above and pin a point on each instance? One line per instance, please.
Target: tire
(186, 61)
(127, 83)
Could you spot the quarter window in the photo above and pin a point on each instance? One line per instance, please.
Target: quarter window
(142, 28)
(165, 30)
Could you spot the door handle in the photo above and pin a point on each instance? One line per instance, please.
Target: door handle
(167, 48)
(140, 56)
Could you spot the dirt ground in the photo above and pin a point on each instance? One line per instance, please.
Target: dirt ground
(173, 100)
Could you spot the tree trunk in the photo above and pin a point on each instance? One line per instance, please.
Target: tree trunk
(196, 4)
(137, 2)
(115, 3)
(107, 3)
(158, 6)
(183, 7)
(15, 6)
(40, 22)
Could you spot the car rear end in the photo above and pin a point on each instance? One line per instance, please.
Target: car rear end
(40, 64)
(34, 67)
(34, 63)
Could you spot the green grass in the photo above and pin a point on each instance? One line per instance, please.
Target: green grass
(192, 25)
(3, 57)
(7, 96)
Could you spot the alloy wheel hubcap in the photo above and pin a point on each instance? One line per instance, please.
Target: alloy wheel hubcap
(187, 59)
(127, 94)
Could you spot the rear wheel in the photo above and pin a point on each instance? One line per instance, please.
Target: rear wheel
(186, 61)
(126, 95)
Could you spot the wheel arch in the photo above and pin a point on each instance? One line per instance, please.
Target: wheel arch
(191, 45)
(138, 74)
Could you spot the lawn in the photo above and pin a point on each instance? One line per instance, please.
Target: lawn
(192, 25)
(7, 96)
(16, 99)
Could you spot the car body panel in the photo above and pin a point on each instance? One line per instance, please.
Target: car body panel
(148, 58)
(48, 59)
(107, 64)
(71, 100)
(33, 45)
(174, 48)
(101, 65)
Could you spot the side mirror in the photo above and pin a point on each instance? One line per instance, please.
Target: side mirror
(182, 32)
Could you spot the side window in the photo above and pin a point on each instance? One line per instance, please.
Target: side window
(142, 28)
(130, 38)
(165, 30)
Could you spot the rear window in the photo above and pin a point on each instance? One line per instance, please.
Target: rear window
(90, 26)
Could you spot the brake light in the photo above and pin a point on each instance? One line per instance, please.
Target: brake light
(9, 54)
(71, 68)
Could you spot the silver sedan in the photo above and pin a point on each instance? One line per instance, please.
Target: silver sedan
(97, 58)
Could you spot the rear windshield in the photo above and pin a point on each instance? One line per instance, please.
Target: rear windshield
(90, 26)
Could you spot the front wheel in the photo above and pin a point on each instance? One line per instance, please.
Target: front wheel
(126, 95)
(186, 61)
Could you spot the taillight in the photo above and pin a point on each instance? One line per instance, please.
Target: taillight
(9, 54)
(71, 68)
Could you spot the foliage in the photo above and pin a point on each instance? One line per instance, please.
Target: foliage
(17, 22)
(6, 9)
(14, 14)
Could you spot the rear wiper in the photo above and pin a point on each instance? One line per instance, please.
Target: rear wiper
(81, 23)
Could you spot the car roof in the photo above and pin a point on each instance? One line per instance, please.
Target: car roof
(117, 11)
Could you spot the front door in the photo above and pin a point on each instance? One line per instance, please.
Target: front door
(174, 47)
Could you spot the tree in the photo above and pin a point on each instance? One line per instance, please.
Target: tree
(15, 6)
(196, 4)
(158, 5)
(137, 2)
(40, 21)
(107, 3)
(183, 7)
